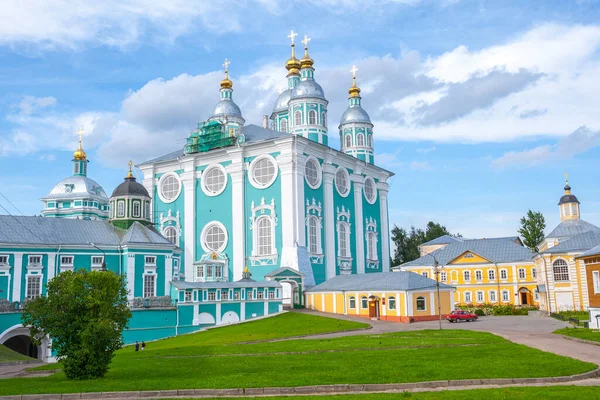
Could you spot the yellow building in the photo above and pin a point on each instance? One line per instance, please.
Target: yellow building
(389, 296)
(484, 271)
(562, 278)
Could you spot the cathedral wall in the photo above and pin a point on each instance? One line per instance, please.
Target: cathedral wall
(344, 212)
(372, 212)
(313, 203)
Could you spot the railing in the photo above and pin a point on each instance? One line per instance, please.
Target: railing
(152, 302)
(11, 306)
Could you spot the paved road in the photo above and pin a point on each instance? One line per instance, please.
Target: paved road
(532, 331)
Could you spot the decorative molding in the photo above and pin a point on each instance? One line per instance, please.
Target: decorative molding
(343, 213)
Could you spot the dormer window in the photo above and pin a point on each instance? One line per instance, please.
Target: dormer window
(68, 188)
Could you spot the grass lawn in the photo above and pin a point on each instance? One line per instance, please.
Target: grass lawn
(222, 358)
(546, 392)
(580, 333)
(7, 355)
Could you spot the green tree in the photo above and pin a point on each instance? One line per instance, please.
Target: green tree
(532, 229)
(407, 242)
(84, 313)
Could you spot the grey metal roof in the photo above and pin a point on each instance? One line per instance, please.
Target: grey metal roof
(307, 89)
(571, 227)
(130, 188)
(77, 187)
(568, 198)
(500, 250)
(379, 281)
(444, 239)
(281, 104)
(224, 285)
(594, 251)
(584, 241)
(28, 230)
(355, 114)
(227, 107)
(283, 269)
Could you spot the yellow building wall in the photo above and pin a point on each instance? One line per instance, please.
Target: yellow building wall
(469, 258)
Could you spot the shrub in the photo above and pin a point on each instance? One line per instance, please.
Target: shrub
(479, 312)
(496, 309)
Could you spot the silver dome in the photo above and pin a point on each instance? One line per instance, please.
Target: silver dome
(227, 107)
(355, 114)
(282, 101)
(307, 88)
(78, 187)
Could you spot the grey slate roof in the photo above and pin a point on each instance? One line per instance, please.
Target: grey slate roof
(283, 269)
(500, 250)
(224, 285)
(444, 239)
(582, 242)
(130, 187)
(571, 227)
(28, 230)
(379, 281)
(594, 251)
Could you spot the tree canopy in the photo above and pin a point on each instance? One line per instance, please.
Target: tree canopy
(408, 241)
(532, 229)
(84, 313)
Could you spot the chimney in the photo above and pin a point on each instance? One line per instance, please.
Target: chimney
(266, 122)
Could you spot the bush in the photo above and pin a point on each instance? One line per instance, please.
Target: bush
(495, 309)
(479, 312)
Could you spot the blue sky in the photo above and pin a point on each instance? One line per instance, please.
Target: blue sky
(479, 107)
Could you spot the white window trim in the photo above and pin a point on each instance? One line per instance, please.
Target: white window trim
(139, 213)
(465, 276)
(374, 199)
(390, 300)
(164, 223)
(507, 296)
(524, 274)
(7, 258)
(27, 277)
(255, 238)
(346, 140)
(268, 210)
(144, 284)
(66, 264)
(96, 265)
(283, 122)
(491, 278)
(316, 115)
(319, 245)
(251, 171)
(119, 213)
(160, 182)
(417, 303)
(203, 237)
(480, 273)
(568, 272)
(350, 302)
(361, 303)
(150, 264)
(505, 273)
(345, 172)
(596, 281)
(470, 295)
(477, 296)
(374, 235)
(490, 296)
(347, 238)
(319, 172)
(203, 182)
(31, 263)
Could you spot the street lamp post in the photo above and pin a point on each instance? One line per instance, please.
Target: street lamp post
(103, 268)
(437, 269)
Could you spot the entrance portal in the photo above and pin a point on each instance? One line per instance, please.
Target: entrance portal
(288, 292)
(373, 307)
(525, 296)
(22, 344)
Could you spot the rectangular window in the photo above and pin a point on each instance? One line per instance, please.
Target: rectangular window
(188, 296)
(200, 271)
(468, 297)
(3, 259)
(120, 209)
(34, 284)
(218, 271)
(150, 260)
(66, 260)
(149, 285)
(352, 303)
(503, 274)
(249, 294)
(209, 271)
(364, 303)
(522, 273)
(97, 260)
(260, 294)
(491, 274)
(443, 276)
(425, 274)
(467, 276)
(505, 296)
(236, 295)
(224, 294)
(596, 279)
(493, 296)
(35, 259)
(480, 298)
(534, 273)
(271, 294)
(392, 303)
(212, 296)
(478, 275)
(136, 209)
(421, 304)
(536, 295)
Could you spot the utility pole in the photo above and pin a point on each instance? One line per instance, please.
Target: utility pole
(437, 269)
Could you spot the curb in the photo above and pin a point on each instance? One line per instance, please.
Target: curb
(306, 390)
(20, 362)
(585, 341)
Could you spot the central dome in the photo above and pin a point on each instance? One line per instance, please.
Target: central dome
(226, 107)
(78, 187)
(355, 114)
(130, 188)
(307, 88)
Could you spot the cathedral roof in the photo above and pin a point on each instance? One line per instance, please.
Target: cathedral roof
(355, 114)
(378, 281)
(130, 188)
(281, 103)
(307, 89)
(77, 187)
(223, 285)
(568, 198)
(571, 227)
(583, 241)
(226, 107)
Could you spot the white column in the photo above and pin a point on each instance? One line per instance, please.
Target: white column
(189, 235)
(243, 311)
(51, 266)
(323, 301)
(409, 304)
(358, 303)
(329, 220)
(358, 185)
(299, 210)
(236, 172)
(196, 320)
(384, 306)
(168, 273)
(17, 276)
(432, 302)
(385, 233)
(334, 302)
(130, 275)
(288, 199)
(266, 308)
(398, 305)
(218, 313)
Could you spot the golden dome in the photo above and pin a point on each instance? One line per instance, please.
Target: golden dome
(226, 83)
(293, 64)
(306, 61)
(354, 90)
(79, 154)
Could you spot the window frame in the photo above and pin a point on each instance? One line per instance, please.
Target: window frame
(467, 276)
(478, 275)
(283, 125)
(167, 229)
(480, 295)
(493, 296)
(352, 303)
(137, 214)
(162, 182)
(348, 141)
(470, 294)
(319, 173)
(345, 235)
(507, 293)
(423, 303)
(391, 303)
(264, 249)
(120, 208)
(204, 183)
(522, 273)
(342, 171)
(147, 288)
(297, 118)
(373, 198)
(360, 140)
(491, 275)
(29, 294)
(503, 274)
(97, 264)
(364, 303)
(64, 263)
(253, 167)
(312, 117)
(204, 233)
(371, 244)
(564, 270)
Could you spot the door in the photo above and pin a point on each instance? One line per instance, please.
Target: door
(524, 299)
(373, 308)
(564, 301)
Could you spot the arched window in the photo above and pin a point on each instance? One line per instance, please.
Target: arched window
(391, 303)
(371, 246)
(364, 303)
(136, 209)
(493, 298)
(352, 302)
(170, 233)
(313, 232)
(312, 117)
(324, 119)
(265, 236)
(284, 125)
(360, 139)
(370, 140)
(421, 304)
(343, 240)
(298, 118)
(560, 270)
(147, 210)
(348, 141)
(120, 209)
(454, 276)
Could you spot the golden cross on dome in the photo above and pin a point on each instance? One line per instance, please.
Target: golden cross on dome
(80, 134)
(292, 35)
(130, 169)
(567, 177)
(305, 41)
(226, 65)
(354, 70)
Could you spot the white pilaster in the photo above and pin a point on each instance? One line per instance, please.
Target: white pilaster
(334, 303)
(329, 220)
(130, 276)
(266, 309)
(188, 178)
(385, 233)
(288, 198)
(242, 311)
(432, 303)
(409, 304)
(218, 313)
(168, 273)
(384, 306)
(358, 185)
(236, 172)
(299, 210)
(51, 266)
(17, 276)
(398, 305)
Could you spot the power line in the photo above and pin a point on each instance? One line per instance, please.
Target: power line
(9, 202)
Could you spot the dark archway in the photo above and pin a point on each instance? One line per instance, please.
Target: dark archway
(22, 344)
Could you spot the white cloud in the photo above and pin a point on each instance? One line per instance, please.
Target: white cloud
(425, 150)
(30, 104)
(422, 165)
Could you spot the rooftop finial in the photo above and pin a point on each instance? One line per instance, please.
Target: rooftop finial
(130, 174)
(79, 153)
(293, 64)
(226, 83)
(292, 36)
(567, 187)
(306, 61)
(354, 90)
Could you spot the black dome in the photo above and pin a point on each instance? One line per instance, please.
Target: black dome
(130, 188)
(568, 198)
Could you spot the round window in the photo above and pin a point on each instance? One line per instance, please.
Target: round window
(169, 187)
(370, 191)
(312, 173)
(214, 180)
(263, 172)
(342, 182)
(214, 237)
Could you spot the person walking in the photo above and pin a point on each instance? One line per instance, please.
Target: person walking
(137, 346)
(143, 345)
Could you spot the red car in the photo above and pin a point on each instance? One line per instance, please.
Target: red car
(460, 315)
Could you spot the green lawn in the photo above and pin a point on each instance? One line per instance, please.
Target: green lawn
(7, 355)
(546, 392)
(580, 333)
(222, 358)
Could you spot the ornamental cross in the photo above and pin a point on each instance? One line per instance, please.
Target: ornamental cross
(226, 65)
(80, 134)
(305, 41)
(130, 165)
(354, 70)
(292, 35)
(567, 177)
